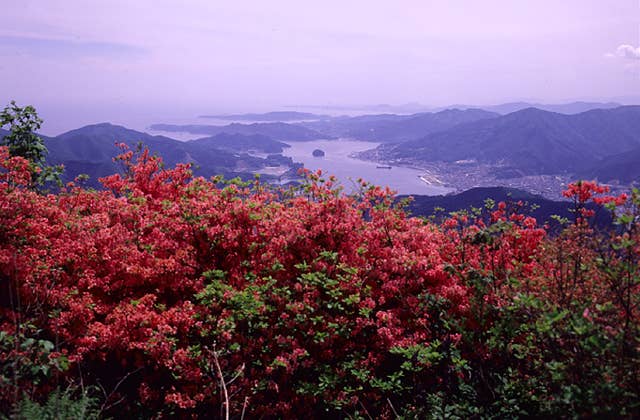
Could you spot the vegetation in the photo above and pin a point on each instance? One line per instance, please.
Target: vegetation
(166, 295)
(23, 141)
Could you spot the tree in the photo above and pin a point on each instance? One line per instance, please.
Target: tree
(23, 141)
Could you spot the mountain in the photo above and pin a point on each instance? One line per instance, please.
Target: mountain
(96, 143)
(537, 206)
(504, 108)
(423, 205)
(275, 116)
(531, 140)
(420, 125)
(353, 127)
(622, 167)
(241, 143)
(276, 130)
(392, 128)
(566, 108)
(408, 108)
(90, 150)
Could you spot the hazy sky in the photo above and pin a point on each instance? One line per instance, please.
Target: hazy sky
(85, 61)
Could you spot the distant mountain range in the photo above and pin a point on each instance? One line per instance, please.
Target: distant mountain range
(276, 130)
(566, 108)
(276, 116)
(532, 141)
(504, 108)
(385, 128)
(392, 128)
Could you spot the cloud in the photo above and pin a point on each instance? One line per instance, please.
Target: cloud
(66, 48)
(628, 51)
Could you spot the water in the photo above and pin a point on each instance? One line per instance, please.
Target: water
(337, 161)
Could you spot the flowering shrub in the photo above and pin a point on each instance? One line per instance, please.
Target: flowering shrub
(172, 295)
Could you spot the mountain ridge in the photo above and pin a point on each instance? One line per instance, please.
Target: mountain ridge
(276, 116)
(393, 128)
(90, 149)
(534, 140)
(276, 130)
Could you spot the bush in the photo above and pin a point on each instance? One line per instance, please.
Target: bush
(177, 297)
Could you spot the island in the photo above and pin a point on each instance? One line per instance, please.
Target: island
(318, 153)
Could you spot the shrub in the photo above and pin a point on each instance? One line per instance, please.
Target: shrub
(178, 297)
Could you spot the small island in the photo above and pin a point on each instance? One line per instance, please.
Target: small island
(318, 153)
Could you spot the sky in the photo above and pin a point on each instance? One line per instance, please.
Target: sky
(144, 61)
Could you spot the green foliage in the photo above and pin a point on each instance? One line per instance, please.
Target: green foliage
(60, 405)
(546, 362)
(23, 141)
(33, 359)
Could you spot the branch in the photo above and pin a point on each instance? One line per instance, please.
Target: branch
(223, 385)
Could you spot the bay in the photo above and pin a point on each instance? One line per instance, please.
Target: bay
(338, 161)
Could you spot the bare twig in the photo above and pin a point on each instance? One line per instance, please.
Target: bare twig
(104, 405)
(244, 407)
(395, 413)
(237, 375)
(223, 385)
(365, 409)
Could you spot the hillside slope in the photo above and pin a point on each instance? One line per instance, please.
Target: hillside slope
(532, 140)
(622, 167)
(90, 150)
